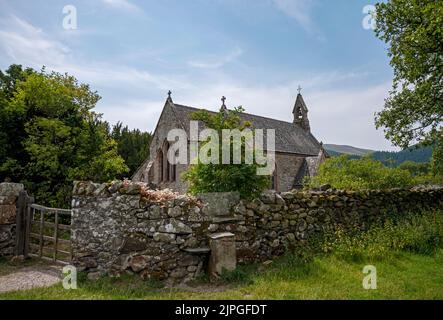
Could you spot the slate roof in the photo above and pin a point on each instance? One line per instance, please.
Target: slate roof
(289, 137)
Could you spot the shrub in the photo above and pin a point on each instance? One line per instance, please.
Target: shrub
(415, 168)
(414, 232)
(241, 178)
(343, 173)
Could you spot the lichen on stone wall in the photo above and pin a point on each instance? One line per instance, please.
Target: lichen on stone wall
(116, 229)
(8, 200)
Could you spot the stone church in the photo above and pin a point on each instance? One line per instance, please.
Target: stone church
(297, 152)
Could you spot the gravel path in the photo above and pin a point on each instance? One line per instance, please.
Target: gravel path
(31, 277)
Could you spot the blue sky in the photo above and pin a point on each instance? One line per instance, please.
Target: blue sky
(255, 52)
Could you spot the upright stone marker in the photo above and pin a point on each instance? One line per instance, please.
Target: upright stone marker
(223, 253)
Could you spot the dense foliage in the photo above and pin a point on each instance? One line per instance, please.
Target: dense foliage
(220, 177)
(418, 232)
(413, 30)
(419, 154)
(51, 136)
(416, 169)
(344, 173)
(132, 145)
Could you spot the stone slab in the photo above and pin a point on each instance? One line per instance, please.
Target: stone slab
(220, 235)
(223, 253)
(197, 250)
(219, 203)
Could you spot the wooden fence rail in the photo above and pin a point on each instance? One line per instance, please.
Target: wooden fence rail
(41, 237)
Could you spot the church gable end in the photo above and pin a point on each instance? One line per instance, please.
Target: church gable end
(297, 150)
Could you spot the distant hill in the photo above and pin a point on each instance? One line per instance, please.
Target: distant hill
(343, 149)
(414, 153)
(389, 158)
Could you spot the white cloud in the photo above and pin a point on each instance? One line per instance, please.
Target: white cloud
(300, 10)
(23, 43)
(342, 116)
(346, 116)
(136, 113)
(121, 4)
(217, 61)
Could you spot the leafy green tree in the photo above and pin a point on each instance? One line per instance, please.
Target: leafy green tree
(344, 173)
(11, 126)
(220, 177)
(437, 161)
(416, 169)
(413, 30)
(132, 145)
(54, 137)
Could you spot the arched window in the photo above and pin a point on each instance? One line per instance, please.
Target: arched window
(160, 165)
(167, 171)
(173, 170)
(166, 164)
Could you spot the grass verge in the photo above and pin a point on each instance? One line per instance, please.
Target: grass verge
(407, 253)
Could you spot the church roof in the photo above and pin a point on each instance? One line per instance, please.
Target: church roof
(289, 137)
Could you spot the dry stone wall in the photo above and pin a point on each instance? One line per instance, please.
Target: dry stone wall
(8, 208)
(116, 228)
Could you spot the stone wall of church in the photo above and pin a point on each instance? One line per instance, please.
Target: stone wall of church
(179, 185)
(287, 168)
(124, 227)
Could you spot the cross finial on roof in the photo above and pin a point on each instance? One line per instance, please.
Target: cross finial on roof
(169, 94)
(299, 89)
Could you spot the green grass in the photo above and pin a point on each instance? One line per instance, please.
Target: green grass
(408, 276)
(407, 251)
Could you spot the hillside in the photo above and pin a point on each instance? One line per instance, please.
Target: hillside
(334, 149)
(420, 155)
(390, 158)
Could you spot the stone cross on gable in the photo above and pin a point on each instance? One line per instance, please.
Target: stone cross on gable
(299, 89)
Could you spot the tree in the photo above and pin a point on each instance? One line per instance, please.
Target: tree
(11, 126)
(221, 177)
(415, 168)
(54, 137)
(437, 162)
(413, 29)
(132, 145)
(365, 173)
